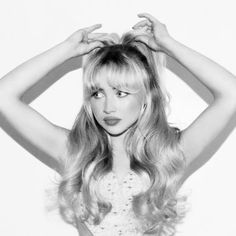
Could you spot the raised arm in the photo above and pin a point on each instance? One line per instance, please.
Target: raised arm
(220, 82)
(27, 122)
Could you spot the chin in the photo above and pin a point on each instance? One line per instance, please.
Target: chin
(115, 133)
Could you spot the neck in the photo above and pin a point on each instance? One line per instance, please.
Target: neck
(120, 158)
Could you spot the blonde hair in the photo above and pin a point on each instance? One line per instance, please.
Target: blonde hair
(151, 143)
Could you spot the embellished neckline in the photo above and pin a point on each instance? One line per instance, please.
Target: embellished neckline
(122, 179)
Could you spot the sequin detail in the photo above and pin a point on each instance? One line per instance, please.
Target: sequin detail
(121, 219)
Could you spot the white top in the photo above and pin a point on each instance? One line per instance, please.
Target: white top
(121, 219)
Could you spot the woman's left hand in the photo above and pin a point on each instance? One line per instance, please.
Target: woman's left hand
(151, 32)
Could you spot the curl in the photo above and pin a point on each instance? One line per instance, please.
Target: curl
(151, 143)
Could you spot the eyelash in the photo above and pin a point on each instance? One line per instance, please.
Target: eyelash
(94, 94)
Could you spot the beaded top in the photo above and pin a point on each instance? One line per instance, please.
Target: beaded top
(121, 219)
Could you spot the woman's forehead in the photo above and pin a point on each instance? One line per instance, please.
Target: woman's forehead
(117, 79)
(103, 82)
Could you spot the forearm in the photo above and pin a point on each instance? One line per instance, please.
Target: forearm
(19, 80)
(217, 79)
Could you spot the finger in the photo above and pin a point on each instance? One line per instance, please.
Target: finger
(139, 34)
(108, 37)
(115, 37)
(85, 36)
(142, 23)
(147, 41)
(94, 45)
(93, 27)
(143, 39)
(147, 16)
(96, 35)
(141, 31)
(93, 36)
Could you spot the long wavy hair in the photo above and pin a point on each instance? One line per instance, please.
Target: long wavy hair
(152, 144)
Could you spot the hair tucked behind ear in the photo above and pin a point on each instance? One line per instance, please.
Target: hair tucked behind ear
(151, 143)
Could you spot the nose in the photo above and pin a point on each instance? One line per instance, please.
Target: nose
(109, 105)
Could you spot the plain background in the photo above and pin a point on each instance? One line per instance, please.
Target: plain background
(30, 27)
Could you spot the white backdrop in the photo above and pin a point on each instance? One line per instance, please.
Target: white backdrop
(30, 27)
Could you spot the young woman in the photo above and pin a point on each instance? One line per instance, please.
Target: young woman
(121, 164)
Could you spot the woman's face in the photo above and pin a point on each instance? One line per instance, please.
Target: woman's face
(109, 102)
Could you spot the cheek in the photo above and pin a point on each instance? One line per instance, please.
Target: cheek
(132, 108)
(96, 109)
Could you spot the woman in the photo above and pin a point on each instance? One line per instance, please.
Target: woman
(121, 164)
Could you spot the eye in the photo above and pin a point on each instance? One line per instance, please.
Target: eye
(97, 94)
(121, 93)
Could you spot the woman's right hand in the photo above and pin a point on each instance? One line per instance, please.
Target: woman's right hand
(84, 41)
(151, 32)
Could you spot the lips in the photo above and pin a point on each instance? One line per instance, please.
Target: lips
(111, 120)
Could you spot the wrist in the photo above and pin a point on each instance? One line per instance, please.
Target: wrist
(66, 50)
(167, 45)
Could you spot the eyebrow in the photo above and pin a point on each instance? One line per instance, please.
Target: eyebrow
(101, 89)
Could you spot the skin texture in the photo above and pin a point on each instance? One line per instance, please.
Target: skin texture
(113, 102)
(52, 139)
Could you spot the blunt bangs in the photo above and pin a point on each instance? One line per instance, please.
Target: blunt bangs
(129, 77)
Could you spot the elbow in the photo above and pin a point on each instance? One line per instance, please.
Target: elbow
(230, 101)
(5, 101)
(232, 89)
(232, 95)
(228, 94)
